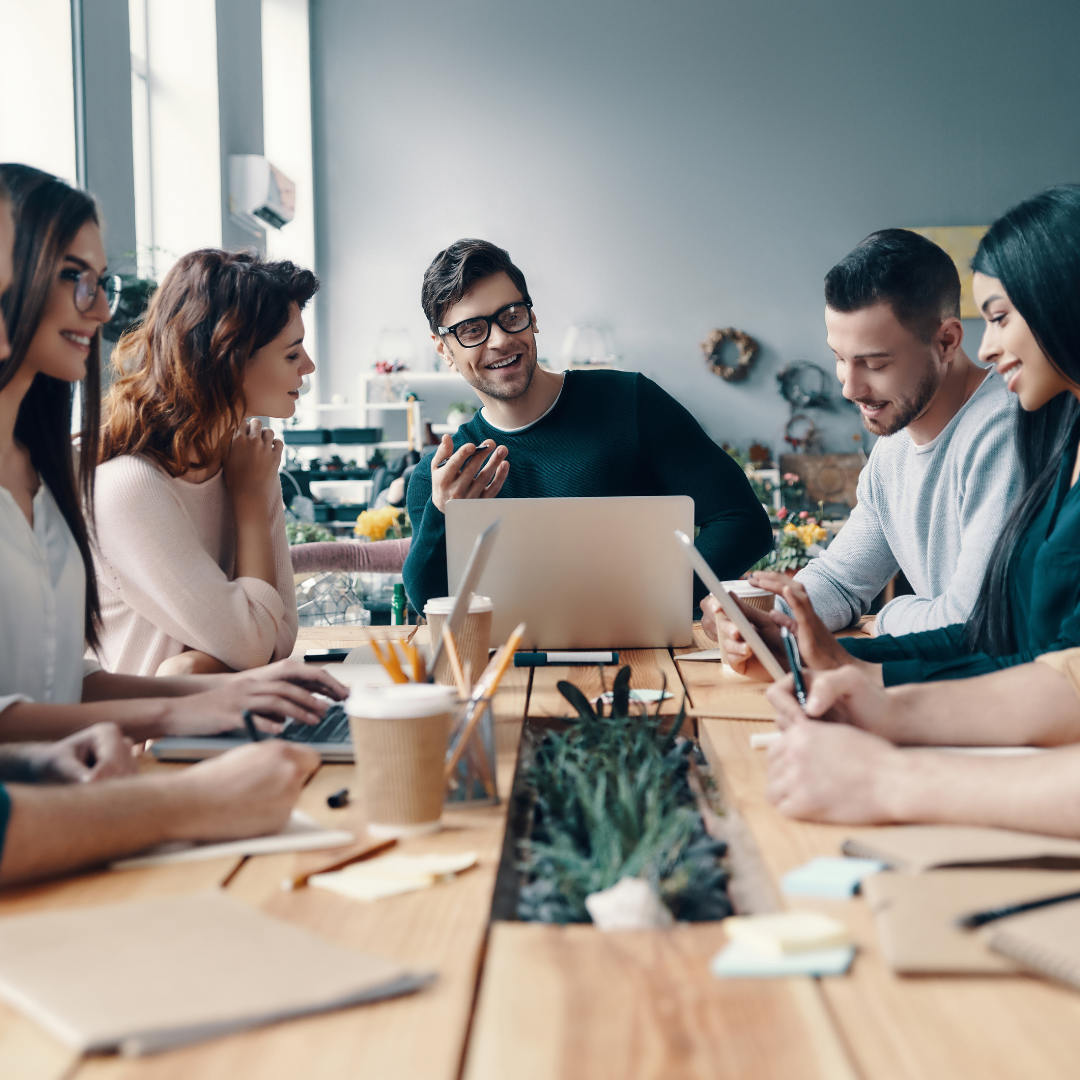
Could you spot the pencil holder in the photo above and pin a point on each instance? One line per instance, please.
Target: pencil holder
(472, 780)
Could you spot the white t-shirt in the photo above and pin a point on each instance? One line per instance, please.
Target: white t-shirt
(42, 605)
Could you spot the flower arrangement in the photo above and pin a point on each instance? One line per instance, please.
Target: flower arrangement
(793, 547)
(386, 523)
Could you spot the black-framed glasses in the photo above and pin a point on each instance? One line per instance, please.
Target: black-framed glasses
(87, 284)
(513, 318)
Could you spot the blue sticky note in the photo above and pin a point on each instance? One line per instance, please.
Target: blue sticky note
(738, 960)
(835, 879)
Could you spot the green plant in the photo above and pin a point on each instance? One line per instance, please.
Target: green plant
(303, 532)
(613, 800)
(461, 407)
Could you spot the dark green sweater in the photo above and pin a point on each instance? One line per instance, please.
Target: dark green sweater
(1044, 589)
(611, 433)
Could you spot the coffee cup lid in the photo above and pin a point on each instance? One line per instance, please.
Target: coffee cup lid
(443, 605)
(742, 587)
(402, 701)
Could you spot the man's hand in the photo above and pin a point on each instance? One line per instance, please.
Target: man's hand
(273, 693)
(251, 460)
(99, 752)
(248, 791)
(845, 695)
(472, 472)
(736, 652)
(834, 773)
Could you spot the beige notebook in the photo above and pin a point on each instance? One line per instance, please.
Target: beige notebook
(912, 848)
(1046, 941)
(156, 974)
(916, 915)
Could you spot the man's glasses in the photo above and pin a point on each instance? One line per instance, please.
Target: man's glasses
(513, 319)
(87, 284)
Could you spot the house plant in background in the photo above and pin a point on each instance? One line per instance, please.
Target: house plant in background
(801, 539)
(460, 412)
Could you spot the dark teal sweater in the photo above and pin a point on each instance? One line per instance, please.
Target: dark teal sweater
(611, 433)
(1044, 589)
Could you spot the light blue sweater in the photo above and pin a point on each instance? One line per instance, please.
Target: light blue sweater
(934, 512)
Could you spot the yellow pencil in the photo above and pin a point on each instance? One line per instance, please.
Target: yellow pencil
(455, 663)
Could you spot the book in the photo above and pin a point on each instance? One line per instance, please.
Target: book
(155, 974)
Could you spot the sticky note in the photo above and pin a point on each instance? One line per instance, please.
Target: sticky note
(832, 878)
(787, 932)
(762, 740)
(738, 960)
(392, 875)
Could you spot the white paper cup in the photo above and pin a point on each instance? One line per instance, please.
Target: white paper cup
(472, 640)
(399, 736)
(750, 594)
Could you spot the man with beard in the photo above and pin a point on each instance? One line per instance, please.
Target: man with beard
(546, 434)
(939, 482)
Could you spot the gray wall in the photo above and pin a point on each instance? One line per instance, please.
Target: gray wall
(666, 168)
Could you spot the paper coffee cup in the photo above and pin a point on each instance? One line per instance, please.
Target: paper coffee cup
(472, 640)
(399, 736)
(750, 594)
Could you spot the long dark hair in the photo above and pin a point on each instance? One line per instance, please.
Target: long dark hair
(1034, 251)
(180, 370)
(48, 214)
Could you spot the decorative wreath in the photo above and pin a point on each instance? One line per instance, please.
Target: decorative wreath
(804, 385)
(713, 348)
(800, 433)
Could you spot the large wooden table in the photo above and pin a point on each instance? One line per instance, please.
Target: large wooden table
(530, 1001)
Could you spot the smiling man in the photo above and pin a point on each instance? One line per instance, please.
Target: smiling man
(935, 492)
(546, 434)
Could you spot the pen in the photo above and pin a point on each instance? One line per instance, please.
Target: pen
(795, 661)
(981, 918)
(542, 659)
(249, 722)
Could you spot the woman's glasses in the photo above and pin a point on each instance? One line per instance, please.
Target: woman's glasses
(513, 318)
(87, 284)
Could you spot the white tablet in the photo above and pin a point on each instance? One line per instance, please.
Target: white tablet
(731, 608)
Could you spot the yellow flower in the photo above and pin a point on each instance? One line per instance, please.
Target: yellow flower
(374, 523)
(810, 533)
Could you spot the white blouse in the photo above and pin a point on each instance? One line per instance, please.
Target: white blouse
(42, 602)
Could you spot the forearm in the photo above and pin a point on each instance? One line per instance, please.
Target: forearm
(106, 686)
(56, 829)
(1029, 705)
(1038, 793)
(254, 543)
(138, 718)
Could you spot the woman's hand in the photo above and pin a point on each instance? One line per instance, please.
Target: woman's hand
(273, 693)
(251, 462)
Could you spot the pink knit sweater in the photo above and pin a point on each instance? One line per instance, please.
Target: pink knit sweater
(165, 555)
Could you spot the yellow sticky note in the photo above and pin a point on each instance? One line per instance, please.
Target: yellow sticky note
(787, 932)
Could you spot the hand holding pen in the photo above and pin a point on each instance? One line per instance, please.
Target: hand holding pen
(791, 647)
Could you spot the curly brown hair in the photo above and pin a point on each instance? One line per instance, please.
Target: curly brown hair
(180, 370)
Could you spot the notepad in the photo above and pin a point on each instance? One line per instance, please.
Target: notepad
(834, 879)
(1045, 941)
(787, 932)
(156, 974)
(738, 960)
(392, 875)
(301, 833)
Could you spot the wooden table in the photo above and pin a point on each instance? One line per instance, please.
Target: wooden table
(535, 1002)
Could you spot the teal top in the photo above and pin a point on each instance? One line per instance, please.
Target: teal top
(1044, 584)
(5, 813)
(609, 433)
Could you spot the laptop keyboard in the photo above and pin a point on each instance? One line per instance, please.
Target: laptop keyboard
(332, 728)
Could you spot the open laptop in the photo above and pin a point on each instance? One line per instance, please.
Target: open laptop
(586, 573)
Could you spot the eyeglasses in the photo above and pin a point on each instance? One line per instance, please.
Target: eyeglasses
(87, 284)
(513, 318)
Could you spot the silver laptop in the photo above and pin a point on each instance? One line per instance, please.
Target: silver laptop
(581, 573)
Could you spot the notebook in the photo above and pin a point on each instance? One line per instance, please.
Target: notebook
(148, 976)
(916, 916)
(913, 848)
(301, 833)
(1045, 941)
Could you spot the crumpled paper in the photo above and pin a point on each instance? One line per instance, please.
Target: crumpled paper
(632, 904)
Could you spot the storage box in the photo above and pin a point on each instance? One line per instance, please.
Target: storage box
(305, 437)
(344, 436)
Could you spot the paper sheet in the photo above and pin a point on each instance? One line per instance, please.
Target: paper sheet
(302, 833)
(392, 875)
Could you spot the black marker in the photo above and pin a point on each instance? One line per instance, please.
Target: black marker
(795, 662)
(981, 918)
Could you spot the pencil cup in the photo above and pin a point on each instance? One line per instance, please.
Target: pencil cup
(472, 640)
(399, 736)
(751, 595)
